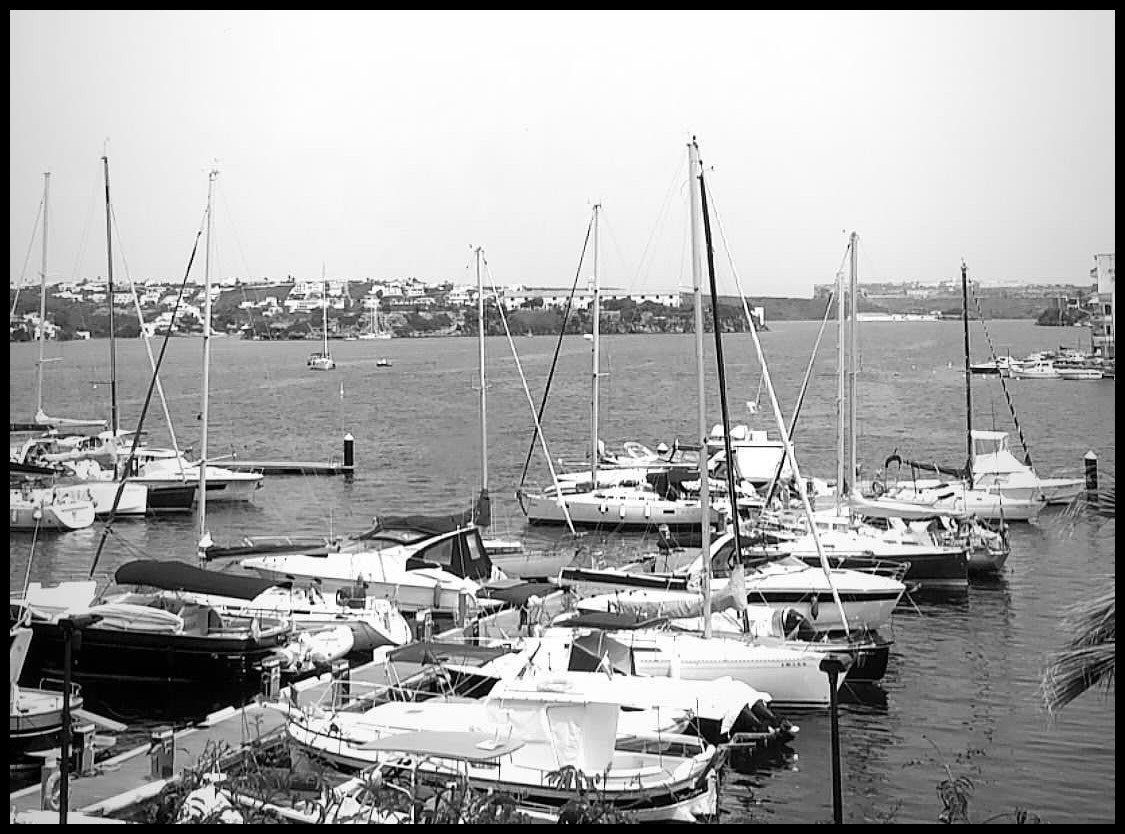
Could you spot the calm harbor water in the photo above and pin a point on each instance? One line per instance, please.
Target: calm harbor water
(962, 689)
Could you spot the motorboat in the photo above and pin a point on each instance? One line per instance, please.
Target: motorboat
(144, 655)
(441, 573)
(651, 776)
(868, 597)
(324, 629)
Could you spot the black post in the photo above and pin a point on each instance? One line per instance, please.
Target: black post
(349, 455)
(69, 627)
(834, 666)
(1091, 461)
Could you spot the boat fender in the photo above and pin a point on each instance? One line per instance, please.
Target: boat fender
(878, 489)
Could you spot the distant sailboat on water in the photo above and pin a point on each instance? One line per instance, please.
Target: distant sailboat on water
(322, 361)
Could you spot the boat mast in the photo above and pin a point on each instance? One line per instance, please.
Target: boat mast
(841, 371)
(324, 307)
(114, 422)
(596, 306)
(968, 377)
(853, 351)
(694, 176)
(42, 303)
(483, 396)
(204, 537)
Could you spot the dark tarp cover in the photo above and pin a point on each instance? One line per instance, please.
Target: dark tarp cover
(517, 595)
(462, 654)
(180, 576)
(595, 651)
(479, 514)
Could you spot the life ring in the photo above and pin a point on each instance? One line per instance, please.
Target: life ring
(878, 489)
(52, 792)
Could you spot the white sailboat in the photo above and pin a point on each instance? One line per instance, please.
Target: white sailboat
(323, 360)
(73, 424)
(988, 495)
(616, 500)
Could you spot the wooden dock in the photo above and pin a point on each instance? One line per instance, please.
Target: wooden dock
(288, 467)
(135, 776)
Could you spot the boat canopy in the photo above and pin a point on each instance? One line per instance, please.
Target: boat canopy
(180, 576)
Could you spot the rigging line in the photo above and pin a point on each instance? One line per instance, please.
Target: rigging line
(800, 398)
(555, 357)
(90, 203)
(145, 336)
(801, 487)
(1003, 384)
(732, 491)
(531, 402)
(26, 258)
(147, 402)
(676, 184)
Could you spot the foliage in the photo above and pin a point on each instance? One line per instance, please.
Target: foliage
(588, 804)
(955, 792)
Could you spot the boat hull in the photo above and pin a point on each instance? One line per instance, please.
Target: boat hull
(58, 511)
(127, 674)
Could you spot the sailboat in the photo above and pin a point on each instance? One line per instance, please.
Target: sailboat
(72, 424)
(861, 599)
(617, 500)
(323, 360)
(374, 330)
(967, 492)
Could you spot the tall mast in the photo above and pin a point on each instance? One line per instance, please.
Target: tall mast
(42, 303)
(204, 537)
(968, 377)
(596, 306)
(483, 396)
(324, 306)
(114, 422)
(841, 401)
(732, 490)
(694, 173)
(853, 362)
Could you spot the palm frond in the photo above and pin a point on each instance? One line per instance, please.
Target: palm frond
(1090, 657)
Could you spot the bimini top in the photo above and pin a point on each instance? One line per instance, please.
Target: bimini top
(180, 576)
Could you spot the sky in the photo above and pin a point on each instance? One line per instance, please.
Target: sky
(389, 144)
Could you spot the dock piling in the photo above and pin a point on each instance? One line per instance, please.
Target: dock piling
(271, 678)
(84, 744)
(1091, 466)
(162, 754)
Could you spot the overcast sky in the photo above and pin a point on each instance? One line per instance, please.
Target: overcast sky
(386, 144)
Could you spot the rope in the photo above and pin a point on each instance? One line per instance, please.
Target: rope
(26, 258)
(784, 432)
(554, 359)
(148, 400)
(1004, 385)
(531, 402)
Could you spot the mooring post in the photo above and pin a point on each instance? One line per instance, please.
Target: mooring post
(349, 455)
(1091, 461)
(834, 666)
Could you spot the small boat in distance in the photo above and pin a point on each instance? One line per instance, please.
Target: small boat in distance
(383, 362)
(323, 360)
